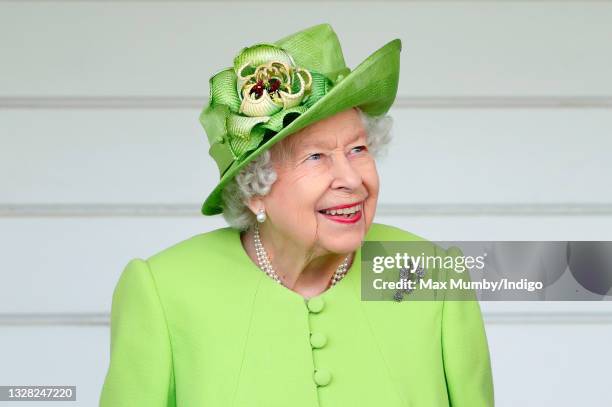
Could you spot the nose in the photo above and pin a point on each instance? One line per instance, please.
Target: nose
(344, 173)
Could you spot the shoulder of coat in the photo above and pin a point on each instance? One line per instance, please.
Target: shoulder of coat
(194, 249)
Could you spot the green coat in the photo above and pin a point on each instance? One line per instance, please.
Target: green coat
(200, 325)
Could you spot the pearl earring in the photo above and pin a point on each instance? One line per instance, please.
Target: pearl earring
(261, 216)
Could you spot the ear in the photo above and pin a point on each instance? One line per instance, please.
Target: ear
(255, 203)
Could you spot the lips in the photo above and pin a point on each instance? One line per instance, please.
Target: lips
(349, 218)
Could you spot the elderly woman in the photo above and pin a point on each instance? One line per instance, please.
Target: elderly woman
(268, 312)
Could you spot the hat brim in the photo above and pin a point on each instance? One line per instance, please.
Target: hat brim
(371, 86)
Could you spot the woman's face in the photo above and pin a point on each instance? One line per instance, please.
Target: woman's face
(325, 165)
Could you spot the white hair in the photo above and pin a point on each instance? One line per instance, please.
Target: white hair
(257, 177)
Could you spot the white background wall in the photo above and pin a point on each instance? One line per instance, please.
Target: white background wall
(503, 132)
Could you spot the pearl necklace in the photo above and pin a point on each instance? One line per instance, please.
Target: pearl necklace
(266, 266)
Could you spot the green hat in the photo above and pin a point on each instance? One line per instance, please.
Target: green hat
(275, 89)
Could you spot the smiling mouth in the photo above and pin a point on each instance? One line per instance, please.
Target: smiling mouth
(350, 214)
(343, 216)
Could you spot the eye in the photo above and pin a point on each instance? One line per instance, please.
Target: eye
(317, 155)
(361, 148)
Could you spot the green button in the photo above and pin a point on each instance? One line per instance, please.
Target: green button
(315, 304)
(318, 339)
(322, 377)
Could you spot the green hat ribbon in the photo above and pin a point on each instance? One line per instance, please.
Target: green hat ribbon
(264, 90)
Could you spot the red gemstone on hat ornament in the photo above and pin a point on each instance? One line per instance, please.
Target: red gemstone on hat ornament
(257, 89)
(273, 85)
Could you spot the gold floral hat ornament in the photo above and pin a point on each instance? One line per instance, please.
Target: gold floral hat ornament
(275, 89)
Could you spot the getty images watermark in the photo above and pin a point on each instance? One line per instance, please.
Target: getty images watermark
(489, 271)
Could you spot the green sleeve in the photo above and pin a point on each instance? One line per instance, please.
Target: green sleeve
(140, 371)
(467, 363)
